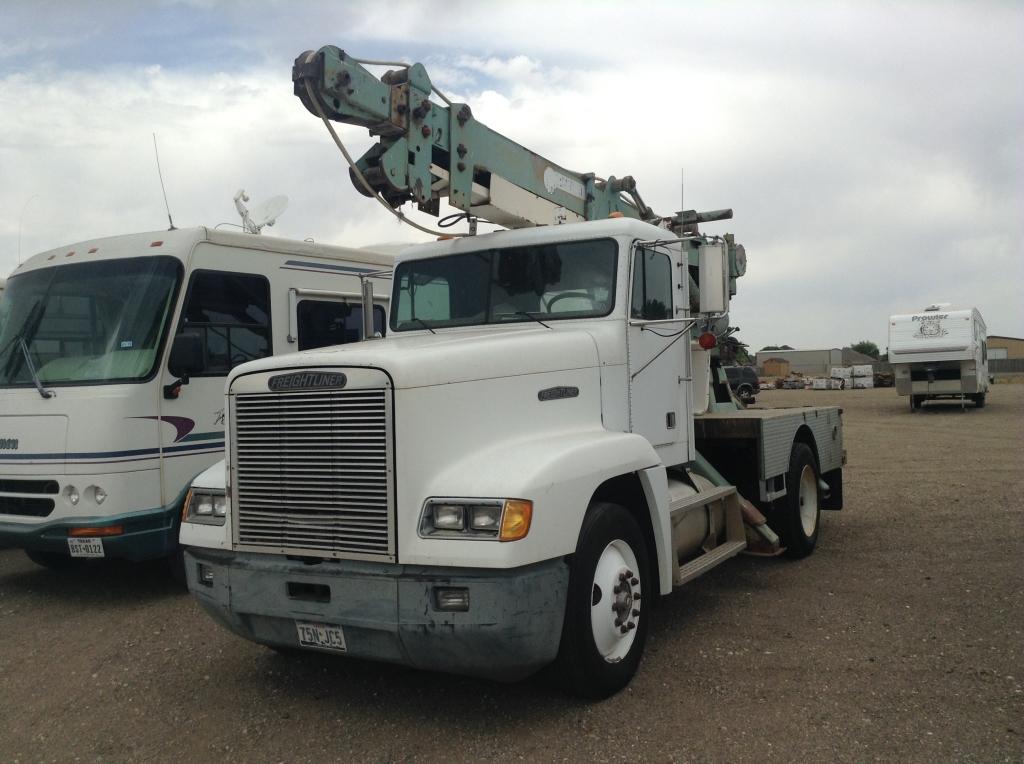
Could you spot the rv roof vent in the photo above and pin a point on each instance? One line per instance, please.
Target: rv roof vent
(938, 306)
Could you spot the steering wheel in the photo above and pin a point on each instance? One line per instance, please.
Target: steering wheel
(577, 295)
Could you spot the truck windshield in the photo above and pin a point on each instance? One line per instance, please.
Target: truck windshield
(515, 284)
(86, 323)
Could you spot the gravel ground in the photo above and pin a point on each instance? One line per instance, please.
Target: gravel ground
(901, 638)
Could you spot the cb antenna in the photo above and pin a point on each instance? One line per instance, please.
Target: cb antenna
(159, 172)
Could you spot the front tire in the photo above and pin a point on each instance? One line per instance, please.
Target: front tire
(796, 516)
(605, 623)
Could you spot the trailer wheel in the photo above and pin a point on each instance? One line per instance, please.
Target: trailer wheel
(605, 623)
(916, 401)
(979, 400)
(796, 516)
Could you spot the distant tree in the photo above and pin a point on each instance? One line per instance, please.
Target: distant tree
(776, 347)
(867, 347)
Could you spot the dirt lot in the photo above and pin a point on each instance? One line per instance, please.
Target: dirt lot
(901, 638)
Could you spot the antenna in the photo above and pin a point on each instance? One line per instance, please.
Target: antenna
(159, 172)
(20, 218)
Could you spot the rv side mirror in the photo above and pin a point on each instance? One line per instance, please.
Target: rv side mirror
(186, 355)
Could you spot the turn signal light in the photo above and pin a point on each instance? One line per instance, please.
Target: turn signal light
(515, 520)
(106, 530)
(707, 340)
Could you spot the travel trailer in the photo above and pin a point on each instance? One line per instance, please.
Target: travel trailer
(939, 352)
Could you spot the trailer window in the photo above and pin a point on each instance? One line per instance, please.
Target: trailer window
(322, 323)
(231, 314)
(652, 286)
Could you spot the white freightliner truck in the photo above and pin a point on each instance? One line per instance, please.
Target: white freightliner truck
(541, 446)
(113, 356)
(940, 352)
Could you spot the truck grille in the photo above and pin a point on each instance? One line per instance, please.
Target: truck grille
(313, 473)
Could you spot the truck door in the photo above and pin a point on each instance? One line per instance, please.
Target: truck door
(230, 312)
(656, 344)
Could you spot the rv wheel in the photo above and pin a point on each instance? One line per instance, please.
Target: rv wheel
(607, 608)
(795, 517)
(979, 400)
(916, 401)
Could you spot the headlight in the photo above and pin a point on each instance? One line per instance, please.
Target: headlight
(206, 507)
(482, 519)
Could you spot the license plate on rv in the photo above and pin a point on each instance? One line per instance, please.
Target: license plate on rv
(86, 547)
(323, 636)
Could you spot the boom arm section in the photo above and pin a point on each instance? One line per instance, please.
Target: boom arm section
(434, 148)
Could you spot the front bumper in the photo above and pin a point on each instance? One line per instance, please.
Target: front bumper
(147, 535)
(512, 628)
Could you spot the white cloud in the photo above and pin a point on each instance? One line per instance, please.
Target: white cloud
(871, 152)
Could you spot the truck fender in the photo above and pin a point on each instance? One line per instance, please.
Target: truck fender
(558, 472)
(654, 481)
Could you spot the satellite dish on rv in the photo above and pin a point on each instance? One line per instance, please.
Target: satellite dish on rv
(266, 213)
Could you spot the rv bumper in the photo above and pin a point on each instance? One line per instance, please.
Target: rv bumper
(390, 612)
(145, 535)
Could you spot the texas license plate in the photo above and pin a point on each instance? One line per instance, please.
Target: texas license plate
(323, 636)
(86, 547)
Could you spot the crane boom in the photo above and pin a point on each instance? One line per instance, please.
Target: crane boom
(429, 149)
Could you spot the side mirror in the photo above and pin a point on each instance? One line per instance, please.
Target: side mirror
(713, 267)
(186, 355)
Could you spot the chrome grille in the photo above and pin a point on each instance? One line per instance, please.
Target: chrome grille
(313, 473)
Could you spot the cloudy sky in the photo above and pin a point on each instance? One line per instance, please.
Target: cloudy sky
(873, 153)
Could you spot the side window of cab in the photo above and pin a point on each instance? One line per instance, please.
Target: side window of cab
(231, 314)
(652, 286)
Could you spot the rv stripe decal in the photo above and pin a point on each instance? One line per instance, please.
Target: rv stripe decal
(141, 453)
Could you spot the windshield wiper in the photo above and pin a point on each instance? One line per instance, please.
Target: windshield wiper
(32, 369)
(423, 323)
(531, 315)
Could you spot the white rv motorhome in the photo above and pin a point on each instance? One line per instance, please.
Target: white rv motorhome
(939, 353)
(113, 356)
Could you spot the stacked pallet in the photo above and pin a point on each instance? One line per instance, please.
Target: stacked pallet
(863, 376)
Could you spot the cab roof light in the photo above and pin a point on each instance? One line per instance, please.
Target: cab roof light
(156, 244)
(91, 251)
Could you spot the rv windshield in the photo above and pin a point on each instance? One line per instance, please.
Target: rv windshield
(546, 282)
(87, 322)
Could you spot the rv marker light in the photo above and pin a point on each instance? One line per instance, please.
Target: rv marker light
(105, 530)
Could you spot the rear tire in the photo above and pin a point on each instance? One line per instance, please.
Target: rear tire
(604, 631)
(796, 517)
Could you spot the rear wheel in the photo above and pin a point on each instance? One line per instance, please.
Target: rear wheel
(795, 517)
(605, 625)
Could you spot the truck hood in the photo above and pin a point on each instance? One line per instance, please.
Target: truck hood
(422, 360)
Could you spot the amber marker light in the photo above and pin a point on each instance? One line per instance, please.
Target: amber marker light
(184, 507)
(515, 520)
(107, 530)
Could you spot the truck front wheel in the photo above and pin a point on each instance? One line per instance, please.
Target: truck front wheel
(605, 622)
(795, 517)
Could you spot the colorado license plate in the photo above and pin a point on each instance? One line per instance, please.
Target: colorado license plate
(85, 547)
(321, 635)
